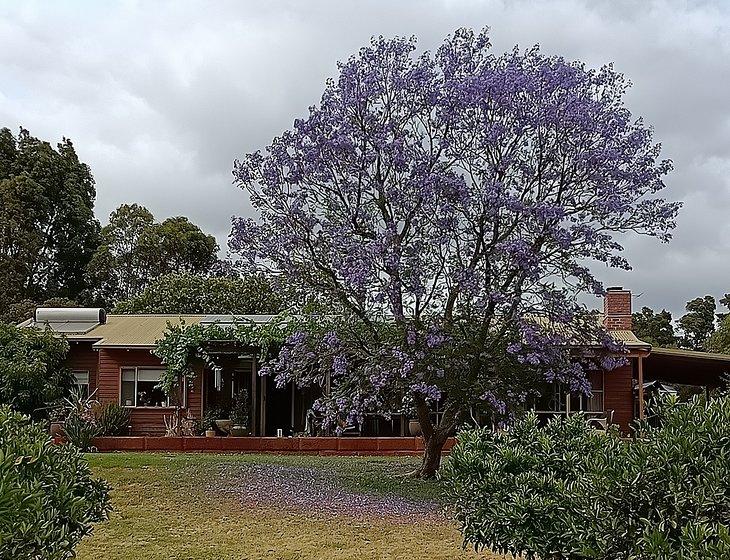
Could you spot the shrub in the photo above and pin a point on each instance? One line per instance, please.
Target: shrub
(113, 420)
(32, 370)
(567, 491)
(48, 498)
(240, 408)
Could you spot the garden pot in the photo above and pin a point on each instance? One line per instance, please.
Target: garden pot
(414, 427)
(56, 429)
(239, 431)
(224, 425)
(210, 433)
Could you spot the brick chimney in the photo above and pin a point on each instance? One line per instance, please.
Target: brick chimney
(617, 309)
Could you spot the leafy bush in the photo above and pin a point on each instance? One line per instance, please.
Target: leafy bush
(32, 369)
(240, 408)
(567, 491)
(48, 498)
(113, 420)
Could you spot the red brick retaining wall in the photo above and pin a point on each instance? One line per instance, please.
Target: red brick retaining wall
(303, 446)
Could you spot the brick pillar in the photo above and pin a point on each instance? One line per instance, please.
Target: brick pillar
(617, 309)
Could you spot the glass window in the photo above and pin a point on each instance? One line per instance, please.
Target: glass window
(128, 387)
(81, 380)
(139, 388)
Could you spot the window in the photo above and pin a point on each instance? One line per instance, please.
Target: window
(556, 398)
(139, 388)
(81, 381)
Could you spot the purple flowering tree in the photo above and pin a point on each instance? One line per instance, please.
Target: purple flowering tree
(447, 207)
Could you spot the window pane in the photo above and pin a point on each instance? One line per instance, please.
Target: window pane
(128, 374)
(149, 395)
(127, 391)
(82, 377)
(148, 375)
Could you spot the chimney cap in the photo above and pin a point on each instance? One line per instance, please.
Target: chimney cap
(615, 289)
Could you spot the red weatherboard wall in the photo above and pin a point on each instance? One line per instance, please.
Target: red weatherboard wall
(619, 394)
(145, 421)
(83, 357)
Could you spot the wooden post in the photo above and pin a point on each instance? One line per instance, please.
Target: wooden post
(254, 417)
(262, 428)
(641, 387)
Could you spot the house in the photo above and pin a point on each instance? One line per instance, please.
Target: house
(111, 354)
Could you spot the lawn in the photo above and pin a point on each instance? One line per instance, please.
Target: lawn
(175, 506)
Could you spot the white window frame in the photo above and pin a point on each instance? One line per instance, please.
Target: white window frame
(88, 379)
(136, 375)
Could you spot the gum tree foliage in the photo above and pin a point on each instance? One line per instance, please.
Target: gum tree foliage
(135, 250)
(47, 227)
(444, 201)
(195, 293)
(48, 498)
(698, 323)
(33, 372)
(568, 491)
(654, 327)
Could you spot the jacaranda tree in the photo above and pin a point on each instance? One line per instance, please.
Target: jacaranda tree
(448, 206)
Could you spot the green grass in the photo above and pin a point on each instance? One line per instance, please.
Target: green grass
(162, 511)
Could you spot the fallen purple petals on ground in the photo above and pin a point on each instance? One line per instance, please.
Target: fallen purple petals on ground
(312, 491)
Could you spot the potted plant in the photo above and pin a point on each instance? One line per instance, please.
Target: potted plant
(240, 414)
(207, 423)
(210, 430)
(56, 415)
(223, 422)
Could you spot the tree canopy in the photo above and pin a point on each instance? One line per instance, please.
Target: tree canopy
(47, 227)
(135, 250)
(656, 328)
(448, 202)
(194, 293)
(698, 323)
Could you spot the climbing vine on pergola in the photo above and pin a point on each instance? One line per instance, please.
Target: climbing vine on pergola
(184, 344)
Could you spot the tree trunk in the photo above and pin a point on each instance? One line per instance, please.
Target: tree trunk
(434, 438)
(432, 448)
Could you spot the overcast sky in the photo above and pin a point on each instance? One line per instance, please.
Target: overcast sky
(161, 97)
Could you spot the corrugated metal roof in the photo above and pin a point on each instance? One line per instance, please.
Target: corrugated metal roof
(143, 330)
(625, 337)
(629, 339)
(232, 319)
(135, 331)
(682, 353)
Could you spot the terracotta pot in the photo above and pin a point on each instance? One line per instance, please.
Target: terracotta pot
(224, 425)
(240, 431)
(414, 427)
(56, 429)
(210, 433)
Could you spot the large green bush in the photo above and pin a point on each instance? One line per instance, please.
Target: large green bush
(32, 369)
(48, 498)
(567, 491)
